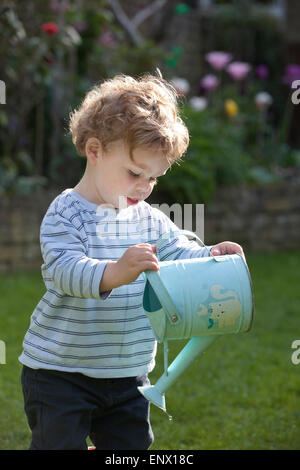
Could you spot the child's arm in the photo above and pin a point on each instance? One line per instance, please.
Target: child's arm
(66, 261)
(67, 265)
(180, 247)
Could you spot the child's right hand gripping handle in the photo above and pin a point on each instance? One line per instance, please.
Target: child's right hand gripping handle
(133, 262)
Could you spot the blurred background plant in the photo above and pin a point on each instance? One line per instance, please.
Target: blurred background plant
(52, 53)
(237, 104)
(236, 136)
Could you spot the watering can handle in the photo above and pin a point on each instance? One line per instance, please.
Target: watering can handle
(163, 295)
(157, 284)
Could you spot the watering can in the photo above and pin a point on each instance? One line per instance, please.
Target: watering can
(197, 299)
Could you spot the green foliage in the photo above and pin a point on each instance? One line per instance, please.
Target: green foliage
(47, 73)
(214, 157)
(17, 176)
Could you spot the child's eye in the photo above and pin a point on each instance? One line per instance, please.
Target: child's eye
(135, 175)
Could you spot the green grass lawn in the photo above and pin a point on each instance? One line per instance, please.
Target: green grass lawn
(242, 393)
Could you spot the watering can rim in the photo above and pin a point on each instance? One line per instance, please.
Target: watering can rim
(251, 290)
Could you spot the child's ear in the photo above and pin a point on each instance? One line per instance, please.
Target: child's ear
(93, 149)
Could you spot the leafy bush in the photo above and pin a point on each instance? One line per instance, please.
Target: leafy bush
(215, 156)
(52, 57)
(49, 60)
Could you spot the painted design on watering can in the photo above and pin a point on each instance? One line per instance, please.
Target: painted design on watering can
(224, 312)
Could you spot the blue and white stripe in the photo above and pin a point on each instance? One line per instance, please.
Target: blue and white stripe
(74, 328)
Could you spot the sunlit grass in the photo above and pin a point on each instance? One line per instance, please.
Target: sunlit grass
(242, 393)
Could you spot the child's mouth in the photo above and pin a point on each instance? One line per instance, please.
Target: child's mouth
(132, 201)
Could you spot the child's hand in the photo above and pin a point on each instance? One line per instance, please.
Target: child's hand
(227, 248)
(135, 260)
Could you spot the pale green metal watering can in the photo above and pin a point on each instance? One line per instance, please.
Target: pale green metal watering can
(198, 298)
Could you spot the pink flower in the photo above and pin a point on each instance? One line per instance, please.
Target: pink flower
(209, 82)
(218, 59)
(238, 70)
(50, 28)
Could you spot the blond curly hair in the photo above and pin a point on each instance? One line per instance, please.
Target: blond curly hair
(142, 111)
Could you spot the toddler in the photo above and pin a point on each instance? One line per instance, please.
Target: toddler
(89, 344)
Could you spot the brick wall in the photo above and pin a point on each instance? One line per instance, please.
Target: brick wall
(20, 219)
(259, 218)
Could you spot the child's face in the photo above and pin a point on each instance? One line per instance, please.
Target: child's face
(122, 181)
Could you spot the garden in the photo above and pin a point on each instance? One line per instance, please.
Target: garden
(236, 68)
(238, 106)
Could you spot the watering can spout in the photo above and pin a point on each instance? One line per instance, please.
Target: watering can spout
(155, 393)
(154, 396)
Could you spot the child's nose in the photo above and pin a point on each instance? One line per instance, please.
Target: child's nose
(143, 185)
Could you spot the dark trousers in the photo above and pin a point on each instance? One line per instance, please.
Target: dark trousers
(64, 408)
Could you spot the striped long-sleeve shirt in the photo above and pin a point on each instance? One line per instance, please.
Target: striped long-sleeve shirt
(74, 328)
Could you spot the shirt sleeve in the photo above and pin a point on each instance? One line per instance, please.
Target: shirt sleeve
(65, 260)
(177, 246)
